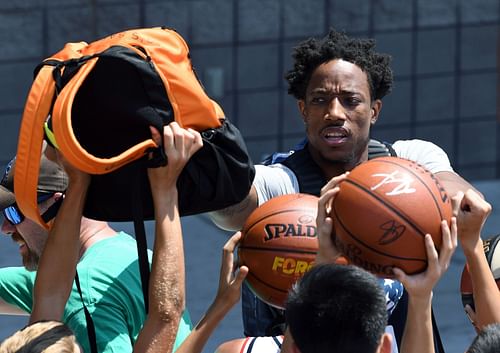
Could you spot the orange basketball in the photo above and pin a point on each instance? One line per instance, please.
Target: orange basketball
(492, 252)
(382, 212)
(279, 244)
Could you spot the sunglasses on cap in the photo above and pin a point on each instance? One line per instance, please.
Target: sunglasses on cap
(14, 215)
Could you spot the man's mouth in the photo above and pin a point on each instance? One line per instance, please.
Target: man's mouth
(18, 239)
(335, 135)
(22, 248)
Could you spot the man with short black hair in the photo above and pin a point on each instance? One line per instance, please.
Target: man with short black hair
(336, 308)
(339, 83)
(487, 341)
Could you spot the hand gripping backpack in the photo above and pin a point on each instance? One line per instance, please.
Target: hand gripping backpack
(96, 102)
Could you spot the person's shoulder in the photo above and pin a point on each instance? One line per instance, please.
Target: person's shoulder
(426, 153)
(275, 168)
(273, 173)
(415, 144)
(267, 344)
(15, 273)
(117, 251)
(119, 239)
(274, 180)
(16, 282)
(233, 346)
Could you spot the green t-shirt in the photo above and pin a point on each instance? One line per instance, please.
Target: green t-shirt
(111, 289)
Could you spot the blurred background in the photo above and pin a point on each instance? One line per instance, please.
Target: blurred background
(446, 56)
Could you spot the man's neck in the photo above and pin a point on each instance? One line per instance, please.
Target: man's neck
(332, 169)
(91, 232)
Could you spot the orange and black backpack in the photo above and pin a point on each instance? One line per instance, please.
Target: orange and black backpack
(95, 102)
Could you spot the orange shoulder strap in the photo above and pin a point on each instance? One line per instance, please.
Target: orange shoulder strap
(68, 143)
(29, 147)
(31, 134)
(169, 54)
(61, 117)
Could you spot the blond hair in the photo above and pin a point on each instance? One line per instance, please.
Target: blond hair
(41, 337)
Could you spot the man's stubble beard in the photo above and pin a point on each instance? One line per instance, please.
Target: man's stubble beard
(31, 259)
(354, 158)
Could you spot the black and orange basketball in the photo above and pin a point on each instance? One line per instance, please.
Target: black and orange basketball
(382, 212)
(279, 244)
(492, 252)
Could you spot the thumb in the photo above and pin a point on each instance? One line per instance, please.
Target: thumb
(456, 202)
(155, 135)
(471, 314)
(399, 274)
(240, 277)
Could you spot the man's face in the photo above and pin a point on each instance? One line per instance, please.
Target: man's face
(338, 113)
(30, 237)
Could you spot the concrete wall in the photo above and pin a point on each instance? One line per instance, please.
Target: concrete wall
(445, 60)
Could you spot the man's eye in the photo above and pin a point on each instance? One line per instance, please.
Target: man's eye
(318, 100)
(351, 101)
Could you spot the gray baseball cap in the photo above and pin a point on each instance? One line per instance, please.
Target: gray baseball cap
(51, 178)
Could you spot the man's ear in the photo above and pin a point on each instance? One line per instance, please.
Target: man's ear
(375, 110)
(385, 344)
(302, 108)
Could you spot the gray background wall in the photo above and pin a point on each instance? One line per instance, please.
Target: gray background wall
(445, 55)
(445, 61)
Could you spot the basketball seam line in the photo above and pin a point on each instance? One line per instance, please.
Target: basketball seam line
(267, 284)
(389, 206)
(306, 211)
(296, 251)
(337, 219)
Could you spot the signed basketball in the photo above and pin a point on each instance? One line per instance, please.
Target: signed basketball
(382, 212)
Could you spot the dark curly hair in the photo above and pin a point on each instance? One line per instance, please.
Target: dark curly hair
(313, 52)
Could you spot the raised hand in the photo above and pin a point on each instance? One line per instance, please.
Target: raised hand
(421, 285)
(230, 282)
(418, 334)
(179, 145)
(471, 211)
(227, 296)
(327, 252)
(75, 176)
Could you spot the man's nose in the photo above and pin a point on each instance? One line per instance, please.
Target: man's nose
(336, 110)
(7, 227)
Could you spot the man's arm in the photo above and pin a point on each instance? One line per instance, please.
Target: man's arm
(453, 183)
(472, 212)
(435, 159)
(270, 181)
(233, 217)
(228, 294)
(167, 282)
(9, 309)
(57, 266)
(418, 335)
(16, 291)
